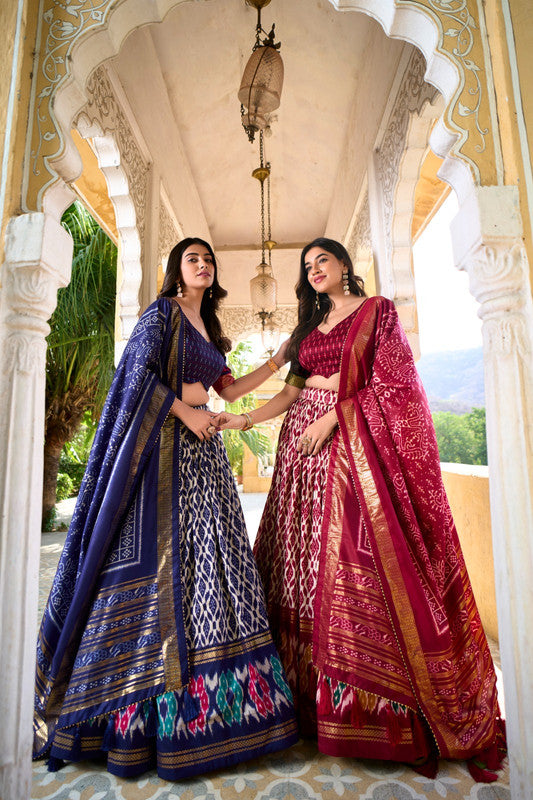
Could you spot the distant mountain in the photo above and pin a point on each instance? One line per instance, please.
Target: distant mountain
(453, 380)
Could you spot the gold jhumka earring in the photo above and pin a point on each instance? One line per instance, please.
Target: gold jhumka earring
(345, 284)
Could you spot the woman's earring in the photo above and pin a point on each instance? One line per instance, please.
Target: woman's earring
(317, 300)
(210, 293)
(179, 293)
(345, 284)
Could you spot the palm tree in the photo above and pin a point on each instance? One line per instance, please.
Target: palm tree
(79, 360)
(234, 440)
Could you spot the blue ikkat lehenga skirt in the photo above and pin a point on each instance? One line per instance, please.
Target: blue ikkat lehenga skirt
(237, 704)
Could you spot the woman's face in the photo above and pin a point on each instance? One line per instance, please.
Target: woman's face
(324, 270)
(197, 267)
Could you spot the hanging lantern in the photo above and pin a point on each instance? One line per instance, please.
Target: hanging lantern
(263, 291)
(262, 81)
(270, 335)
(260, 91)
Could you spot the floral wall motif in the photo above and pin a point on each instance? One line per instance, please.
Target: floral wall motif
(461, 38)
(168, 233)
(360, 241)
(239, 322)
(62, 24)
(412, 96)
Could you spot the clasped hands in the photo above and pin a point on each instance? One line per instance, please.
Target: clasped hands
(204, 423)
(309, 443)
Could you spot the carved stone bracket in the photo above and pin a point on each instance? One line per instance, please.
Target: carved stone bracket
(498, 280)
(38, 262)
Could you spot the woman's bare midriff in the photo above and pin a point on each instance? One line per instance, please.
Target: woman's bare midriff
(194, 394)
(319, 382)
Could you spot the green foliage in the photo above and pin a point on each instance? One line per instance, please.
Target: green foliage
(81, 341)
(462, 439)
(259, 443)
(65, 487)
(75, 454)
(80, 353)
(49, 520)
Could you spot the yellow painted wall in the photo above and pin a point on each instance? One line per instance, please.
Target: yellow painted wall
(8, 20)
(91, 187)
(468, 492)
(430, 193)
(8, 15)
(251, 480)
(522, 24)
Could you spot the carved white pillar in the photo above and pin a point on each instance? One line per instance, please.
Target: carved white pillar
(38, 261)
(488, 245)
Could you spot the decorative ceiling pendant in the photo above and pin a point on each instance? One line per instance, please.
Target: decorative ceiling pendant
(262, 80)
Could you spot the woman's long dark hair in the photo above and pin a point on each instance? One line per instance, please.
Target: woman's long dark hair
(309, 316)
(210, 300)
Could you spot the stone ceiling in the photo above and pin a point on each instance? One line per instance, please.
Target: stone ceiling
(181, 78)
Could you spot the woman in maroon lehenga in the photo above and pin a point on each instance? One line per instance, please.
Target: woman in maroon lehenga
(368, 597)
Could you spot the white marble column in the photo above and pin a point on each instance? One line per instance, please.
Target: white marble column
(38, 261)
(487, 237)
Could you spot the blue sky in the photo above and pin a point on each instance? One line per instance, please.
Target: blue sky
(447, 312)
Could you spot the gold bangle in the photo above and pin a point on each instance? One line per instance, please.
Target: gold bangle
(249, 424)
(273, 366)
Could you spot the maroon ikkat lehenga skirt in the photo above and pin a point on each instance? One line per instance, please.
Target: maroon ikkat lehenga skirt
(346, 721)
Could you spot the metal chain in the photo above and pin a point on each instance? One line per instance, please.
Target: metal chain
(268, 212)
(261, 159)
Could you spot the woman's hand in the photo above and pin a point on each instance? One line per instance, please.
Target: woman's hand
(314, 436)
(200, 422)
(225, 420)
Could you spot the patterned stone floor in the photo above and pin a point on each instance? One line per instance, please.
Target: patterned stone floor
(300, 773)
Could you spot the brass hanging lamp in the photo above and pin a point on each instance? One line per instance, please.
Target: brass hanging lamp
(262, 80)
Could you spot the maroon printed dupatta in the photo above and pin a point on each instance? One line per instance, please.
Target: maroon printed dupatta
(395, 615)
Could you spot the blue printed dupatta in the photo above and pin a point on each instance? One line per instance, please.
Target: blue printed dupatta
(112, 633)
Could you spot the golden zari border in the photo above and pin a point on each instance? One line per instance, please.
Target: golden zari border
(386, 551)
(237, 744)
(165, 558)
(221, 652)
(166, 522)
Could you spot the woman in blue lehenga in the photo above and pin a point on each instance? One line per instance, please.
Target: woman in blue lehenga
(154, 647)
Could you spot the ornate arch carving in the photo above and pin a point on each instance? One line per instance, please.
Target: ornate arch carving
(126, 172)
(77, 37)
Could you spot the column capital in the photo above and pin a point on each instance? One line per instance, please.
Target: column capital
(488, 216)
(488, 245)
(38, 262)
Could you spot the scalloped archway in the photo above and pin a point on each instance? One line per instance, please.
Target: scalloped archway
(487, 236)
